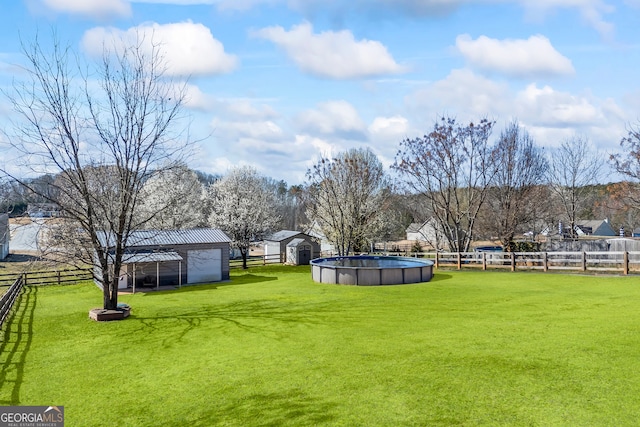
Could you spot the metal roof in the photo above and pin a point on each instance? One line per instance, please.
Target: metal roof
(296, 242)
(137, 257)
(171, 237)
(282, 235)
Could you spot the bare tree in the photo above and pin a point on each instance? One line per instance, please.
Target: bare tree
(514, 196)
(573, 167)
(102, 135)
(627, 163)
(174, 199)
(452, 167)
(243, 205)
(347, 198)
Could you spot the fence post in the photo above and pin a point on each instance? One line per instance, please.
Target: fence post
(58, 271)
(545, 261)
(459, 261)
(625, 263)
(24, 279)
(436, 260)
(513, 261)
(584, 261)
(484, 260)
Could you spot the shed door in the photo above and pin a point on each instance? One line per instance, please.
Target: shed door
(204, 265)
(304, 255)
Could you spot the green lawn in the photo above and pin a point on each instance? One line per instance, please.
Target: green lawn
(273, 348)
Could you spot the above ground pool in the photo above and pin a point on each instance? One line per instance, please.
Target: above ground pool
(367, 270)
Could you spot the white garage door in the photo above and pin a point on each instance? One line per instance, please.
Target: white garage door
(204, 265)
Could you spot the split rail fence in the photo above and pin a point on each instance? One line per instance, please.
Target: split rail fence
(9, 297)
(609, 262)
(11, 285)
(256, 261)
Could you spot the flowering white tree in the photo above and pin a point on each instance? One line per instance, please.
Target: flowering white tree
(243, 206)
(347, 196)
(174, 199)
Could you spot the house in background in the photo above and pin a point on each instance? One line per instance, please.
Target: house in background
(427, 231)
(43, 210)
(595, 227)
(4, 235)
(293, 247)
(157, 258)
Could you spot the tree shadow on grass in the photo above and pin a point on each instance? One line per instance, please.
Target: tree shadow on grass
(16, 342)
(246, 279)
(292, 407)
(439, 277)
(266, 317)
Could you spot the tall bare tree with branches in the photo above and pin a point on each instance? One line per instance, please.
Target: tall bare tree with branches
(452, 167)
(573, 166)
(627, 163)
(102, 129)
(515, 193)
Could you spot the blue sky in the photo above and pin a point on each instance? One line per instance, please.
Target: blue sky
(277, 84)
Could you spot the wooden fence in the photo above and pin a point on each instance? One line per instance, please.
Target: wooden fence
(9, 297)
(610, 262)
(256, 261)
(49, 277)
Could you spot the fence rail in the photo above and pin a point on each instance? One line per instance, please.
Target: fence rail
(9, 298)
(256, 261)
(614, 262)
(49, 277)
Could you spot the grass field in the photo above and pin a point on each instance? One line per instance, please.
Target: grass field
(272, 348)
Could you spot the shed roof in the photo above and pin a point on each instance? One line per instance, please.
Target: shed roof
(170, 237)
(296, 242)
(283, 235)
(138, 257)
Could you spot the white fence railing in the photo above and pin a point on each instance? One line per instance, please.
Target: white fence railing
(613, 262)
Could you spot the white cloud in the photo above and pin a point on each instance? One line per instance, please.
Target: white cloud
(338, 118)
(591, 11)
(462, 91)
(97, 9)
(189, 49)
(545, 106)
(549, 114)
(519, 58)
(389, 126)
(255, 130)
(196, 99)
(246, 109)
(332, 54)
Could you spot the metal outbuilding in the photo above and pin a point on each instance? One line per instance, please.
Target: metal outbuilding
(174, 257)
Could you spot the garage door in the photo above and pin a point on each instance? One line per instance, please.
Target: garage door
(204, 265)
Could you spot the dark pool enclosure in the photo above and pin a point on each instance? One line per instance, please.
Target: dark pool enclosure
(367, 270)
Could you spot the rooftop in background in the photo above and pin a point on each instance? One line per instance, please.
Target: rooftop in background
(172, 237)
(283, 235)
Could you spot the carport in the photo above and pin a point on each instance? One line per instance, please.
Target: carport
(147, 258)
